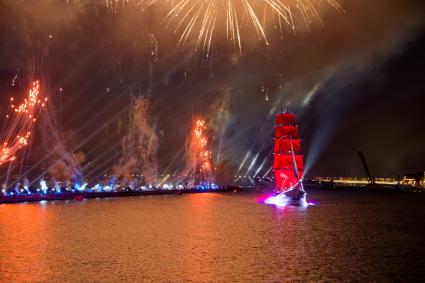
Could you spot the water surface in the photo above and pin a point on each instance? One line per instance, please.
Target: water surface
(347, 236)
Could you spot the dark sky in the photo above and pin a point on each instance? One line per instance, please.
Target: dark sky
(356, 82)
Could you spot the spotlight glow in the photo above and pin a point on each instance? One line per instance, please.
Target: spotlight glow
(281, 200)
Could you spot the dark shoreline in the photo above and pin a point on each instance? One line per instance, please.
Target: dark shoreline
(367, 188)
(78, 196)
(89, 195)
(344, 188)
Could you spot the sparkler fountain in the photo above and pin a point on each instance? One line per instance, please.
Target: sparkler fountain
(198, 168)
(18, 127)
(64, 164)
(139, 145)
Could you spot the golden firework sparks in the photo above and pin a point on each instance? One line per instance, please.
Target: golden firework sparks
(200, 18)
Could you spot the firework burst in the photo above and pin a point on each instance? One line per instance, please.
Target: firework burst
(201, 18)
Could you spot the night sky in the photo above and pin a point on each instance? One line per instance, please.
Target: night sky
(355, 81)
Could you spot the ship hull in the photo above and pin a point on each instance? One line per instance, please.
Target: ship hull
(294, 197)
(295, 194)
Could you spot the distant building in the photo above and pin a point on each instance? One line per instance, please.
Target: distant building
(414, 179)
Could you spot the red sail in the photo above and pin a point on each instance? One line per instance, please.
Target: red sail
(285, 119)
(288, 164)
(283, 146)
(286, 132)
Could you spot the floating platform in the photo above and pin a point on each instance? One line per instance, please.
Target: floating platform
(78, 196)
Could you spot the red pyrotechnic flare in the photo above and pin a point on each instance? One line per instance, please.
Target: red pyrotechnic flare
(20, 121)
(204, 154)
(198, 158)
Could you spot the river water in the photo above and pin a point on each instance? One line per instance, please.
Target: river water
(346, 236)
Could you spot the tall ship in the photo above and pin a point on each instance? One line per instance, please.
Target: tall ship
(288, 166)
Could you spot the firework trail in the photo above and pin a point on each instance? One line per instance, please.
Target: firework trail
(198, 168)
(140, 145)
(19, 123)
(201, 18)
(64, 165)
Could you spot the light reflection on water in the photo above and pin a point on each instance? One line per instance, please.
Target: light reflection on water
(24, 240)
(214, 237)
(281, 201)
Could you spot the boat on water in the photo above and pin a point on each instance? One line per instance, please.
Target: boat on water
(288, 166)
(295, 194)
